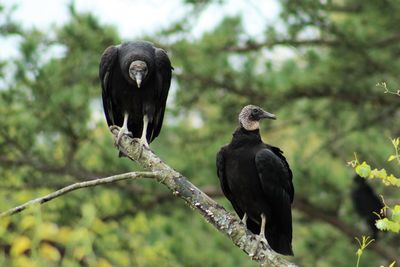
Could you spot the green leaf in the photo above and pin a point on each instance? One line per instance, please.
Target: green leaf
(382, 224)
(396, 214)
(20, 245)
(387, 225)
(363, 169)
(49, 252)
(392, 157)
(375, 173)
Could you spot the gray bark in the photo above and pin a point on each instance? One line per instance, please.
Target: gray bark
(225, 222)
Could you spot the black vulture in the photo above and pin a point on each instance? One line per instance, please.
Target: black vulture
(135, 80)
(366, 203)
(257, 180)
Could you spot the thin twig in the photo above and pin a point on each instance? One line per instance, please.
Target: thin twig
(75, 186)
(224, 221)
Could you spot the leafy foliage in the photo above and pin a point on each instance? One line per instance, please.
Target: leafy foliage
(313, 68)
(391, 222)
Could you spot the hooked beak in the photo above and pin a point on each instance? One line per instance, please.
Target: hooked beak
(138, 79)
(267, 115)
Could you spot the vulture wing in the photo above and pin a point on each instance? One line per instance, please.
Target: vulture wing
(276, 181)
(224, 183)
(107, 66)
(275, 177)
(254, 227)
(287, 183)
(163, 72)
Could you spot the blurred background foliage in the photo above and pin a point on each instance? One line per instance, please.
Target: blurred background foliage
(316, 69)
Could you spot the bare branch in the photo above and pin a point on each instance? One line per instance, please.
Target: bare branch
(253, 46)
(73, 187)
(225, 222)
(215, 214)
(301, 204)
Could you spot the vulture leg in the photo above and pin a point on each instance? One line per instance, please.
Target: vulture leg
(124, 129)
(261, 236)
(244, 220)
(262, 231)
(143, 139)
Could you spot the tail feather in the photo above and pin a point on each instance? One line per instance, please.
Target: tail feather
(279, 242)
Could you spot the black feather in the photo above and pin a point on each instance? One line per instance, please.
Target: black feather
(256, 179)
(366, 203)
(121, 94)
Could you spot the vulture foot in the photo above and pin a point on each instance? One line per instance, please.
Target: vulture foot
(121, 131)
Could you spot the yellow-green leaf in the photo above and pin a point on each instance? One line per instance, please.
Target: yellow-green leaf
(48, 231)
(396, 214)
(392, 157)
(49, 252)
(104, 263)
(20, 245)
(363, 169)
(27, 222)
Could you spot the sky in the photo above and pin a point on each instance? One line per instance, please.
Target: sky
(134, 18)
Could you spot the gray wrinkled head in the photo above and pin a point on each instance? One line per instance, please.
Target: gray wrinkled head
(138, 71)
(250, 116)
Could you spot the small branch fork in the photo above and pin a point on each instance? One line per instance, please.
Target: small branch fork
(215, 214)
(75, 186)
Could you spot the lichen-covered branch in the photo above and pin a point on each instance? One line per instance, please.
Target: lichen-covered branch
(224, 221)
(75, 186)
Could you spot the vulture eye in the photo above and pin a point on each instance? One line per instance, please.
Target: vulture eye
(255, 112)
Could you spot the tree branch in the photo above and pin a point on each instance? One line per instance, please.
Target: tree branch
(224, 221)
(253, 46)
(301, 204)
(75, 186)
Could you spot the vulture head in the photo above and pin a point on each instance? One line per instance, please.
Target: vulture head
(250, 116)
(138, 71)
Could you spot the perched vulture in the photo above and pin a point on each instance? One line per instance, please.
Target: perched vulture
(257, 180)
(366, 203)
(135, 79)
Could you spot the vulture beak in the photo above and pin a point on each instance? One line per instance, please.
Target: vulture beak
(138, 79)
(267, 115)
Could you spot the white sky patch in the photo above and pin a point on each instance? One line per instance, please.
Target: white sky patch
(137, 17)
(7, 47)
(39, 13)
(134, 18)
(256, 15)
